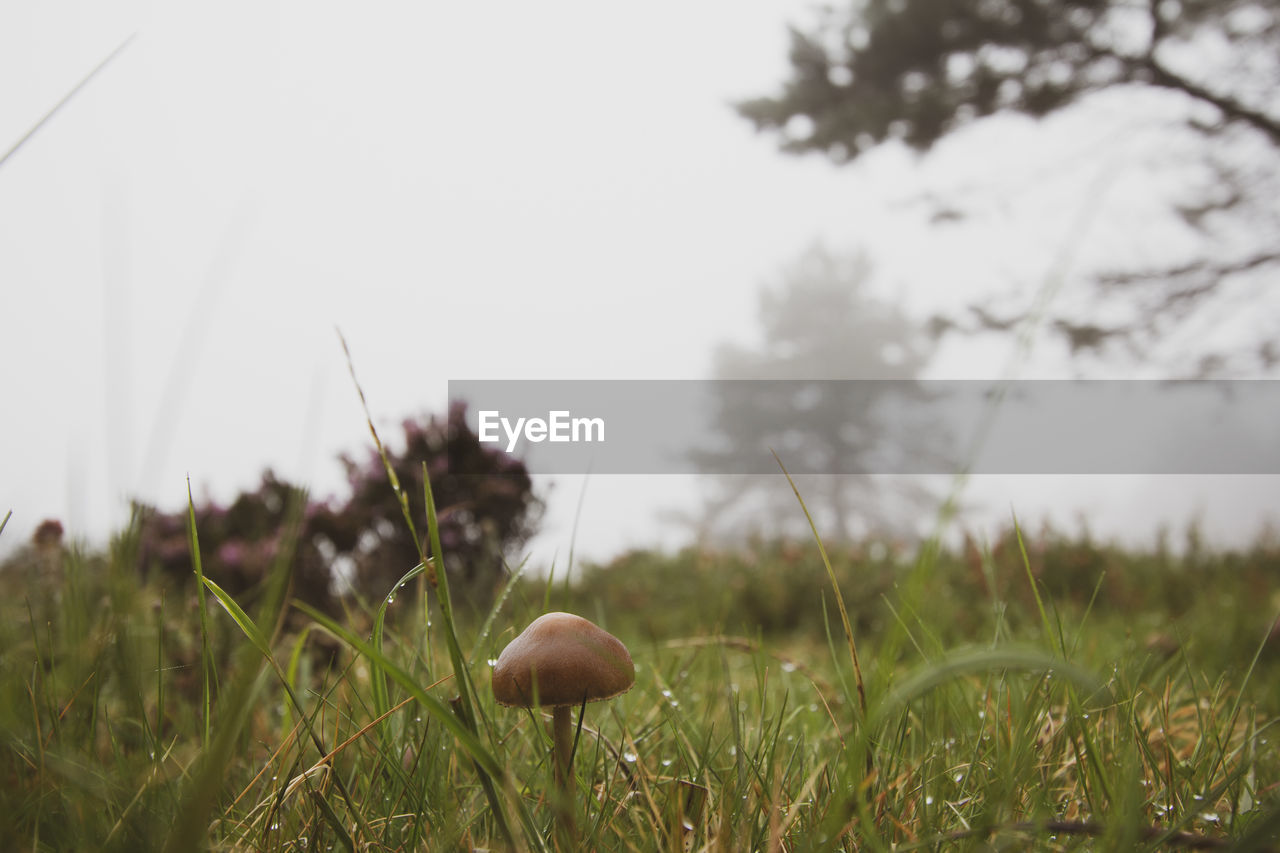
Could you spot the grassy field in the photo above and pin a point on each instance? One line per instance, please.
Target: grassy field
(1036, 693)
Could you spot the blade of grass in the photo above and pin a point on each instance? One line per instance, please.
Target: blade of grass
(835, 585)
(973, 661)
(378, 678)
(208, 668)
(13, 149)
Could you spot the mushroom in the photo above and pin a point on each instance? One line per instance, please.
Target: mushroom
(559, 661)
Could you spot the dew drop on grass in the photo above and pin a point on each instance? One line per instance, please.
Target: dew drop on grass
(629, 757)
(928, 800)
(666, 762)
(788, 666)
(957, 778)
(493, 661)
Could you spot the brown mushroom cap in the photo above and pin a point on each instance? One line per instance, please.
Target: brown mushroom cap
(571, 660)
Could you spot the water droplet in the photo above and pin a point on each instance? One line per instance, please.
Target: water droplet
(1210, 817)
(493, 661)
(666, 762)
(928, 801)
(957, 778)
(666, 693)
(982, 715)
(788, 666)
(629, 757)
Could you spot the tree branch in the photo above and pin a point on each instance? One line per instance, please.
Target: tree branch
(1230, 107)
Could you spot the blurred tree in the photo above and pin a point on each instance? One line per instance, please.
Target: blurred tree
(917, 70)
(485, 500)
(818, 324)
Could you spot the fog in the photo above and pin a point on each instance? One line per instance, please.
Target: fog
(495, 191)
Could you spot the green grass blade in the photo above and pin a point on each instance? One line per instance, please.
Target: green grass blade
(242, 620)
(1035, 587)
(975, 661)
(335, 823)
(208, 667)
(835, 585)
(378, 678)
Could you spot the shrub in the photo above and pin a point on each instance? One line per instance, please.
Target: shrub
(487, 507)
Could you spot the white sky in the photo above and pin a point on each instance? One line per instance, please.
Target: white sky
(498, 190)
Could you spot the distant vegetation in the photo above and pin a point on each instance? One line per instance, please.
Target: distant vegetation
(1143, 602)
(489, 509)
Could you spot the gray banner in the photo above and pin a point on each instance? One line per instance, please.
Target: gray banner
(879, 426)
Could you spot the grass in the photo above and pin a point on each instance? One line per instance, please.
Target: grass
(786, 698)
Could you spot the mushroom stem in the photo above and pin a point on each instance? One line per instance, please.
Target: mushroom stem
(562, 744)
(562, 755)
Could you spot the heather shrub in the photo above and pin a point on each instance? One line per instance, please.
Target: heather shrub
(360, 545)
